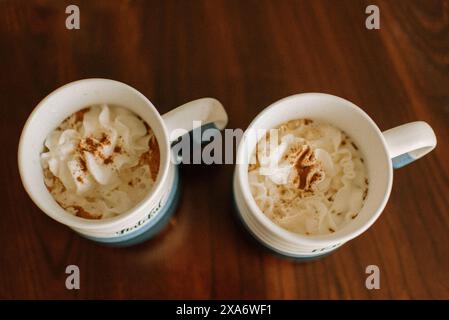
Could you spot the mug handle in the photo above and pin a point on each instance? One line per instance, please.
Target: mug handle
(195, 114)
(409, 142)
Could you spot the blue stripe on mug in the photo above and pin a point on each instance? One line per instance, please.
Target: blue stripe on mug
(154, 223)
(256, 240)
(253, 236)
(402, 160)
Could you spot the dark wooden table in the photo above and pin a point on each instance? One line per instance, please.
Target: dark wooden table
(247, 54)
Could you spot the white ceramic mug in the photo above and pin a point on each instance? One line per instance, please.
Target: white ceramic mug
(382, 152)
(151, 214)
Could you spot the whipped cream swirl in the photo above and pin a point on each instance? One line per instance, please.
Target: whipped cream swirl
(100, 162)
(308, 177)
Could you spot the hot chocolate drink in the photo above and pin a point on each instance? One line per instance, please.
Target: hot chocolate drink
(100, 162)
(308, 177)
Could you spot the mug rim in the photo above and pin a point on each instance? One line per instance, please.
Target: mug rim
(88, 224)
(254, 209)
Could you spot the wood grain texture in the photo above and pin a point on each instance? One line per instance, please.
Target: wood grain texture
(247, 54)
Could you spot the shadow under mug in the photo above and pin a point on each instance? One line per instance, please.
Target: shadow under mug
(382, 152)
(154, 211)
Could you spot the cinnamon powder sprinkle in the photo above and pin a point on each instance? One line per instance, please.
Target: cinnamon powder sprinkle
(104, 139)
(80, 212)
(92, 146)
(365, 194)
(83, 164)
(305, 166)
(108, 160)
